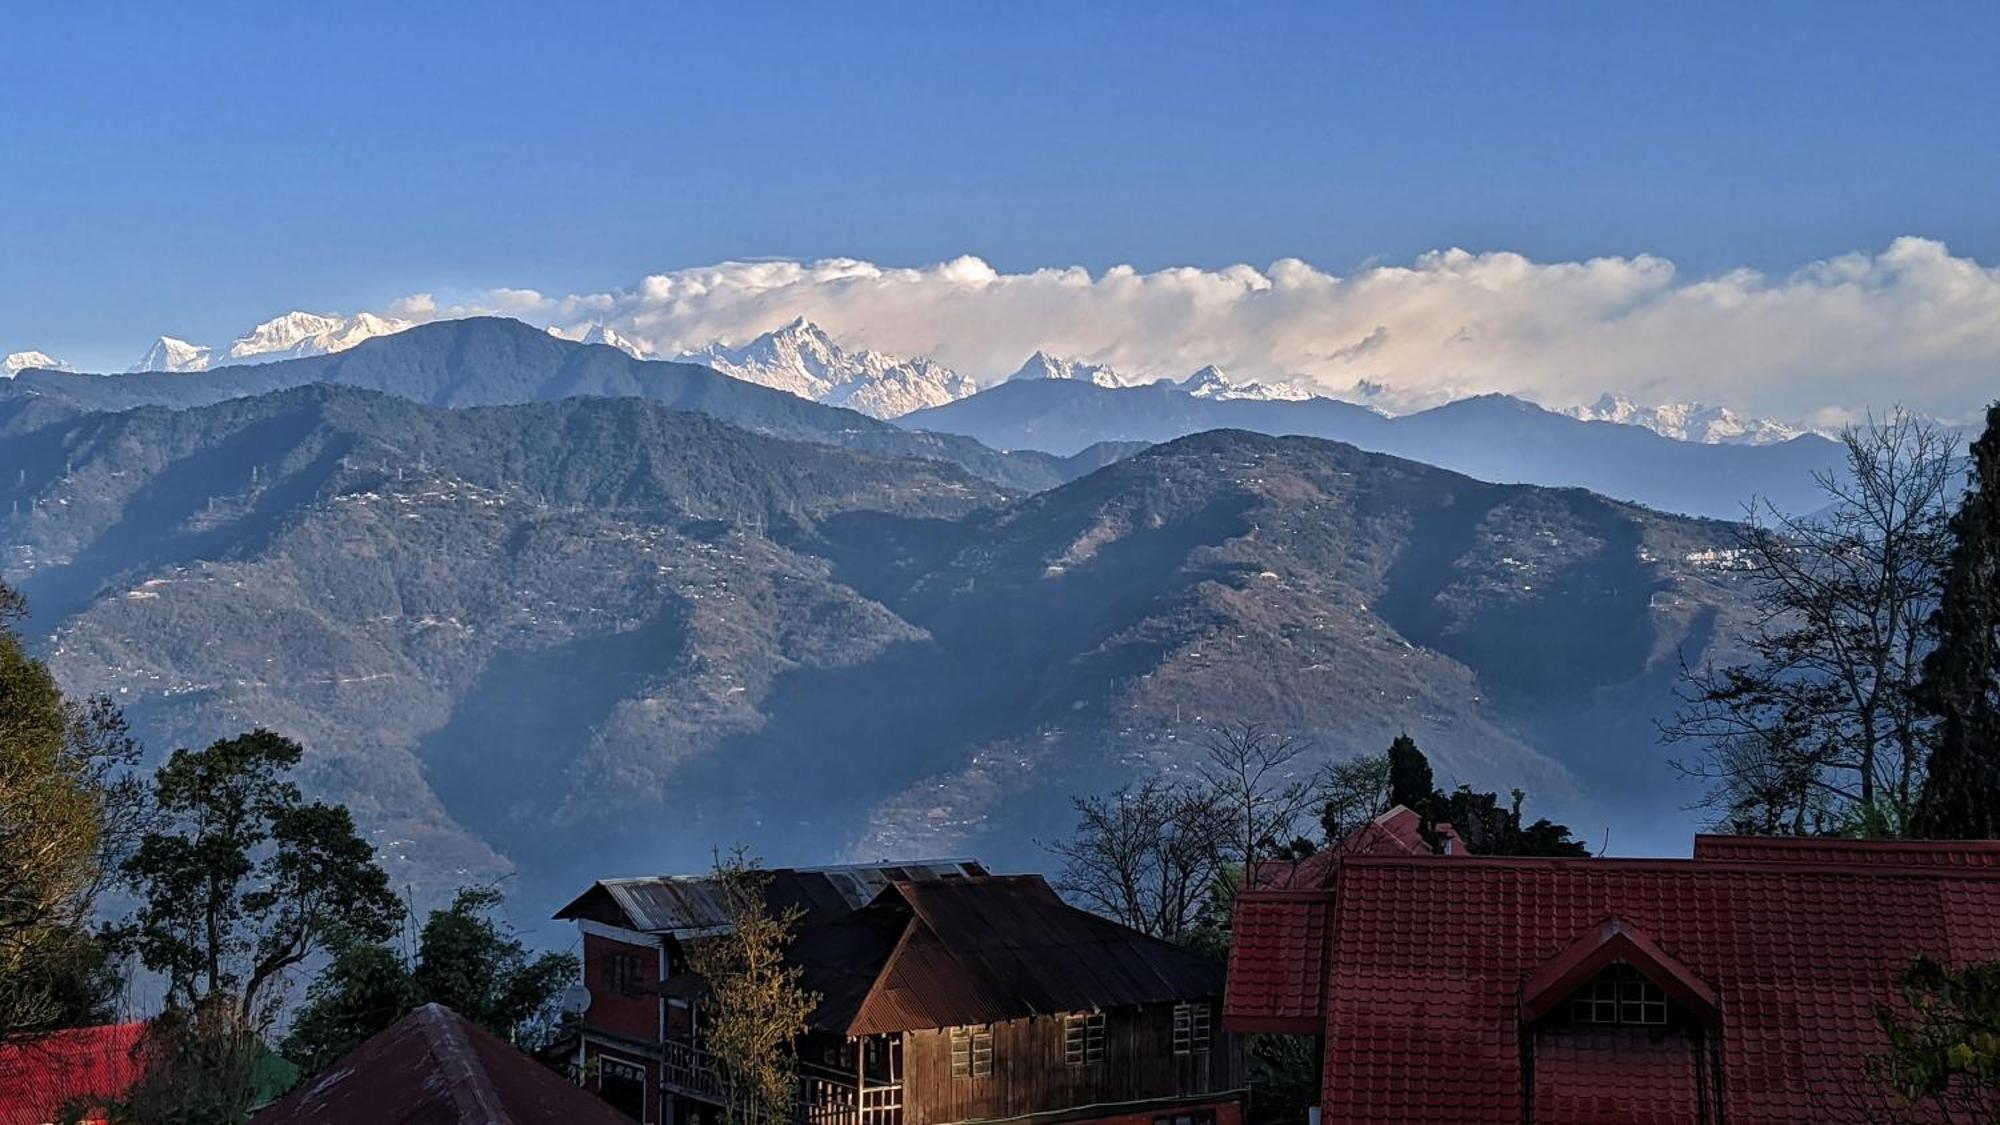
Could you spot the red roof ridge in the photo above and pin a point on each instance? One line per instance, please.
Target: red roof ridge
(465, 1076)
(1614, 940)
(1654, 863)
(1845, 843)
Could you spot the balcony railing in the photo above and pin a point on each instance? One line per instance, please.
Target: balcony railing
(691, 1072)
(826, 1102)
(688, 1070)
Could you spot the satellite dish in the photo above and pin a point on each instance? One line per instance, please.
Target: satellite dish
(576, 999)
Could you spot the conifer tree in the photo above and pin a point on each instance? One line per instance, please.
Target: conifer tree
(1961, 683)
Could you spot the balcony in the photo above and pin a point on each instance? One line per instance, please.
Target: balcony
(824, 1101)
(691, 1072)
(688, 1071)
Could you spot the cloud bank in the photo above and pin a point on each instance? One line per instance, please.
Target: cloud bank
(1911, 324)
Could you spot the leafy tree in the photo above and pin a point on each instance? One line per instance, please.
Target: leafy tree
(245, 879)
(1820, 729)
(1147, 857)
(475, 966)
(466, 960)
(1961, 684)
(68, 810)
(755, 1007)
(365, 987)
(1944, 1054)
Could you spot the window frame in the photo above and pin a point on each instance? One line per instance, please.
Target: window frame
(1620, 996)
(1194, 1027)
(1083, 1038)
(972, 1051)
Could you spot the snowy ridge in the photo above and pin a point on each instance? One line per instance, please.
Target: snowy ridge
(18, 362)
(1214, 382)
(1042, 365)
(290, 336)
(1688, 421)
(802, 359)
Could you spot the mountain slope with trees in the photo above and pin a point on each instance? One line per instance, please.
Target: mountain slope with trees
(540, 636)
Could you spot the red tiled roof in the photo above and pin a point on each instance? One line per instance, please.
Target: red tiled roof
(1277, 961)
(82, 1066)
(434, 1067)
(1395, 832)
(1428, 962)
(1872, 853)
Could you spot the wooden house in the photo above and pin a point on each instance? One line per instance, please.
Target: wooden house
(947, 997)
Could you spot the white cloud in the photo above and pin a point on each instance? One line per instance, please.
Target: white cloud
(1910, 324)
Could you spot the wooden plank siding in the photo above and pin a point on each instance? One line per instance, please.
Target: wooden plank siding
(1031, 1074)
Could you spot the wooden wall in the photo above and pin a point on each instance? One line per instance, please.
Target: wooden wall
(1032, 1075)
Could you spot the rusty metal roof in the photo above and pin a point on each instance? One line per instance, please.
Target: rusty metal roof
(691, 906)
(979, 950)
(435, 1067)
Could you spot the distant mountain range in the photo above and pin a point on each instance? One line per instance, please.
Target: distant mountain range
(1492, 437)
(487, 361)
(1688, 421)
(541, 636)
(801, 359)
(290, 336)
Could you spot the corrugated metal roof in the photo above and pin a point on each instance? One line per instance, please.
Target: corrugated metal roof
(436, 1067)
(979, 950)
(691, 905)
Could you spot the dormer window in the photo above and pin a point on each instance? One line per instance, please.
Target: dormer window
(1619, 995)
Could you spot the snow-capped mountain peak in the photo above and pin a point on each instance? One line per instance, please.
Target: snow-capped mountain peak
(1688, 421)
(610, 338)
(298, 334)
(169, 354)
(290, 336)
(801, 358)
(1214, 382)
(18, 362)
(1042, 365)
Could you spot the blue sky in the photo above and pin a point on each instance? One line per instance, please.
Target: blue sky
(194, 168)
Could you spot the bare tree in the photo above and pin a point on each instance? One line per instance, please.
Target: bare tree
(1352, 794)
(1255, 774)
(1147, 857)
(1820, 729)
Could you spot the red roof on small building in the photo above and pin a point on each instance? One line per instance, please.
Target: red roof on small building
(1434, 976)
(1399, 831)
(435, 1067)
(85, 1066)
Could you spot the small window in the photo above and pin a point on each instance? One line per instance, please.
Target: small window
(971, 1052)
(1619, 995)
(1083, 1038)
(621, 974)
(1191, 1028)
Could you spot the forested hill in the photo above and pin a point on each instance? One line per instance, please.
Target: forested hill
(577, 637)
